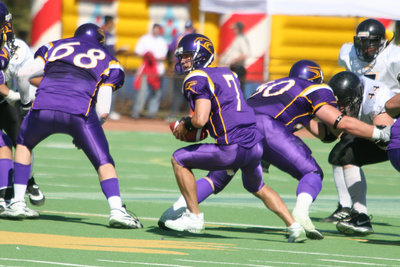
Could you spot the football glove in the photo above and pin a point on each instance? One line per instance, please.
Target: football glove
(381, 135)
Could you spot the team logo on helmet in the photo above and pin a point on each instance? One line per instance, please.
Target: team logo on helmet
(204, 42)
(101, 32)
(316, 71)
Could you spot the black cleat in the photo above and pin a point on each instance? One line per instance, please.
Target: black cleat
(36, 196)
(339, 214)
(358, 224)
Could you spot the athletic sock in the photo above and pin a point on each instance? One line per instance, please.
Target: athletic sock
(343, 193)
(6, 168)
(357, 186)
(303, 203)
(204, 190)
(110, 188)
(21, 177)
(311, 183)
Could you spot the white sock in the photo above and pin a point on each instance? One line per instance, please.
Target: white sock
(343, 193)
(357, 186)
(181, 202)
(303, 203)
(115, 202)
(19, 192)
(31, 164)
(295, 225)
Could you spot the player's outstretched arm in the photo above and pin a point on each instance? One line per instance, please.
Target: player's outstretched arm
(392, 106)
(339, 122)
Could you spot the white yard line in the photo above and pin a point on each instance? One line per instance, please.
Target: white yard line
(49, 262)
(145, 263)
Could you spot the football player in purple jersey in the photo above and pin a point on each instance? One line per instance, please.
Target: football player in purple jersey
(14, 56)
(279, 106)
(393, 149)
(218, 103)
(74, 98)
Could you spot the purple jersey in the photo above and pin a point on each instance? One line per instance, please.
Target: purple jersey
(394, 142)
(74, 71)
(231, 120)
(291, 100)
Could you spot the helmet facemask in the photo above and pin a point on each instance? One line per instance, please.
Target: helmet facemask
(368, 48)
(184, 59)
(350, 106)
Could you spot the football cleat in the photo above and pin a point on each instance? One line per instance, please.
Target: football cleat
(36, 196)
(358, 224)
(120, 218)
(3, 205)
(189, 222)
(19, 210)
(339, 214)
(170, 214)
(296, 233)
(305, 221)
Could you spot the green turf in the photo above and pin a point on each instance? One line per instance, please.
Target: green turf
(73, 226)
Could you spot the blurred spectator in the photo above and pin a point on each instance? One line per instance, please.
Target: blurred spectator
(111, 39)
(177, 99)
(108, 28)
(153, 48)
(397, 32)
(236, 55)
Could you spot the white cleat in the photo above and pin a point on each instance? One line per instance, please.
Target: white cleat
(3, 206)
(296, 233)
(19, 210)
(190, 222)
(170, 214)
(305, 221)
(120, 218)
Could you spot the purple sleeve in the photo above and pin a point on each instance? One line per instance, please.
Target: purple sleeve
(115, 77)
(2, 79)
(195, 87)
(41, 52)
(320, 96)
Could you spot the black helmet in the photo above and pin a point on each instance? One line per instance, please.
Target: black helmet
(348, 90)
(370, 39)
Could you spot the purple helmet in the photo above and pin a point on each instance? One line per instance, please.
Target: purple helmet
(90, 32)
(199, 47)
(307, 70)
(6, 23)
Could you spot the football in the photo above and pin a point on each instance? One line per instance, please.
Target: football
(192, 136)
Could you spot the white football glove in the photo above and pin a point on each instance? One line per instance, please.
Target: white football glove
(12, 97)
(381, 134)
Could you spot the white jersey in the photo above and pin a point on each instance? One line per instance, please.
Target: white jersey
(385, 68)
(22, 57)
(374, 98)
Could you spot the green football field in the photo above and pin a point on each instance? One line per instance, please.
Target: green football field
(72, 229)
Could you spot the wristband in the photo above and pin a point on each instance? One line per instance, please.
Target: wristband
(188, 124)
(338, 119)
